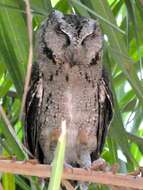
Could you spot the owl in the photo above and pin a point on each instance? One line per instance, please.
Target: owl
(69, 83)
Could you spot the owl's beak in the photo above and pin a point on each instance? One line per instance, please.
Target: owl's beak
(74, 56)
(73, 61)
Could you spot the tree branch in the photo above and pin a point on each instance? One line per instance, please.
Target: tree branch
(40, 170)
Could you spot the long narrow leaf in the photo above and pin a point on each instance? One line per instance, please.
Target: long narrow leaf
(9, 133)
(57, 166)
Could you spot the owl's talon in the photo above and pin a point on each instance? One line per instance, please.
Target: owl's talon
(87, 168)
(99, 164)
(66, 165)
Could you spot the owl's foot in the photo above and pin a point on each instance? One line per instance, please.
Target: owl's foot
(69, 185)
(66, 165)
(100, 164)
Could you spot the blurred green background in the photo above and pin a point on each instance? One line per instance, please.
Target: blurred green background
(122, 26)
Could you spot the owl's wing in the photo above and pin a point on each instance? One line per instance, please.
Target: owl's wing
(105, 100)
(33, 109)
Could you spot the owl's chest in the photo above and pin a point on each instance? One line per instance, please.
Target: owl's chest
(72, 95)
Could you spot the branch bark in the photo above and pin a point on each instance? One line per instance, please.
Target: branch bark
(40, 170)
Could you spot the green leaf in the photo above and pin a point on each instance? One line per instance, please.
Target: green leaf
(63, 6)
(14, 144)
(14, 44)
(8, 180)
(5, 87)
(57, 165)
(78, 4)
(21, 183)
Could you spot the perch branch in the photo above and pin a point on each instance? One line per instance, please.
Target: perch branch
(107, 178)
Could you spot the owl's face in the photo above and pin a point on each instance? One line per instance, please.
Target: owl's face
(71, 39)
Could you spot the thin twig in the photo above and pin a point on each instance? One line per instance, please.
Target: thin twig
(79, 174)
(11, 130)
(29, 66)
(7, 123)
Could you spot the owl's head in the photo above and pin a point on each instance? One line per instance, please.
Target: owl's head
(70, 39)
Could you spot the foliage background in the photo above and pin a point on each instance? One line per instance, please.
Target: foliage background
(122, 25)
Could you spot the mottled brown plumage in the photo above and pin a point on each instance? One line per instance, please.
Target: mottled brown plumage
(68, 82)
